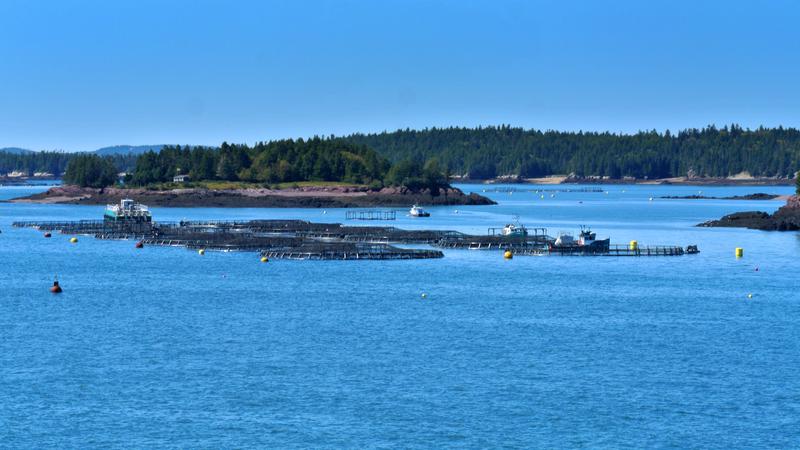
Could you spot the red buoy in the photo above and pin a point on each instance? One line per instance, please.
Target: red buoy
(47, 235)
(55, 288)
(139, 244)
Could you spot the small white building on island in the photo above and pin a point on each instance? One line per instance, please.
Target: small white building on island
(180, 178)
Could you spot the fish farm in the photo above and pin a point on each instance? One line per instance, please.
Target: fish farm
(371, 214)
(301, 239)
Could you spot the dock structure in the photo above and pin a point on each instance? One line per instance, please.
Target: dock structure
(612, 250)
(300, 239)
(291, 239)
(371, 214)
(90, 227)
(496, 240)
(349, 250)
(468, 242)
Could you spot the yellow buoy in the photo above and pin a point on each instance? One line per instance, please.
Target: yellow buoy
(264, 259)
(633, 245)
(508, 254)
(73, 240)
(739, 252)
(201, 252)
(424, 295)
(749, 295)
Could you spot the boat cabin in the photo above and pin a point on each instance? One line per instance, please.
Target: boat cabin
(127, 211)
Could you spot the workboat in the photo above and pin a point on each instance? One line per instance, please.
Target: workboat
(514, 230)
(416, 211)
(587, 242)
(127, 211)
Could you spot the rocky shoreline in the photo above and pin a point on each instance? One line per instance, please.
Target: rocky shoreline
(756, 196)
(786, 218)
(676, 181)
(301, 197)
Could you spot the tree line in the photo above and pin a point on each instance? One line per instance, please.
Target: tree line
(425, 158)
(267, 163)
(53, 162)
(489, 152)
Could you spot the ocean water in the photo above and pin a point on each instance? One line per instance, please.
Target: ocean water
(161, 347)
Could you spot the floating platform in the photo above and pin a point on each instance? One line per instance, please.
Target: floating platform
(371, 214)
(512, 243)
(497, 239)
(300, 239)
(613, 250)
(349, 250)
(89, 227)
(290, 239)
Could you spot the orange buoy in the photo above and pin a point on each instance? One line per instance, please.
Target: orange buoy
(47, 235)
(139, 244)
(55, 288)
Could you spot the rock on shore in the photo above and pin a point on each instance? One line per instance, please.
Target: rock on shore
(786, 218)
(300, 197)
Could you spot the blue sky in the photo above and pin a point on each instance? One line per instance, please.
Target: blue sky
(79, 75)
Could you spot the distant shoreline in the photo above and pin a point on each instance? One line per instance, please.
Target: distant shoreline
(676, 181)
(308, 197)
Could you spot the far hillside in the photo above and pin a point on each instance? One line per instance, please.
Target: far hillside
(15, 150)
(127, 149)
(489, 152)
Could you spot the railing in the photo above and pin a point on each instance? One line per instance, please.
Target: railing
(371, 214)
(613, 250)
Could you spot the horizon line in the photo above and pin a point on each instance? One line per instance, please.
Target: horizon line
(662, 132)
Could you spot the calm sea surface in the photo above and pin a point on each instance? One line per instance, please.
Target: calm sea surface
(161, 347)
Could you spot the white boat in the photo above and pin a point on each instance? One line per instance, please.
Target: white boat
(416, 211)
(127, 211)
(587, 242)
(514, 230)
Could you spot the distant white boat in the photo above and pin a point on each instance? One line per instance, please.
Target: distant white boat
(416, 211)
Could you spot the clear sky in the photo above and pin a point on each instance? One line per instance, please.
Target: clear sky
(78, 75)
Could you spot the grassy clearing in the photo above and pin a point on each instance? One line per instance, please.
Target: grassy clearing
(315, 184)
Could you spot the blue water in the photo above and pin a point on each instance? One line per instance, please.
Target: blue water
(161, 347)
